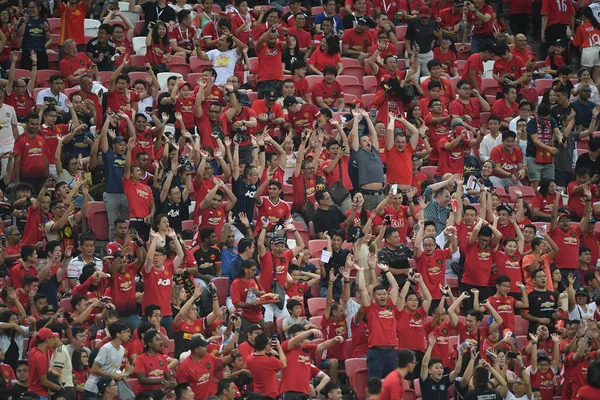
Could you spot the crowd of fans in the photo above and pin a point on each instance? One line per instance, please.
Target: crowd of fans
(271, 236)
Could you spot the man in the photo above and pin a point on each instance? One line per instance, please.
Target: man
(269, 114)
(329, 93)
(469, 108)
(31, 161)
(357, 9)
(508, 159)
(264, 367)
(238, 122)
(271, 206)
(567, 237)
(101, 50)
(226, 389)
(421, 33)
(435, 71)
(75, 64)
(399, 150)
(492, 139)
(329, 13)
(437, 210)
(107, 388)
(120, 98)
(60, 363)
(591, 159)
(183, 391)
(328, 217)
(301, 116)
(480, 19)
(21, 386)
(508, 69)
(302, 36)
(225, 54)
(473, 69)
(153, 11)
(556, 19)
(39, 366)
(583, 107)
(450, 18)
(53, 95)
(393, 385)
(269, 50)
(506, 108)
(86, 256)
(8, 129)
(108, 360)
(357, 41)
(592, 389)
(542, 303)
(19, 93)
(182, 35)
(521, 51)
(213, 211)
(73, 17)
(60, 227)
(432, 379)
(365, 151)
(91, 100)
(541, 135)
(481, 390)
(471, 330)
(453, 149)
(525, 113)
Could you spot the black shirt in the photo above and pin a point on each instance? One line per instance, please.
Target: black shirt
(176, 212)
(328, 220)
(584, 161)
(435, 390)
(422, 34)
(349, 22)
(153, 13)
(482, 393)
(168, 109)
(95, 48)
(542, 305)
(245, 197)
(559, 114)
(207, 260)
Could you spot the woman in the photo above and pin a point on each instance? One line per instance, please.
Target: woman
(583, 39)
(7, 376)
(543, 202)
(205, 14)
(291, 54)
(245, 290)
(327, 55)
(360, 217)
(67, 167)
(34, 30)
(187, 323)
(157, 42)
(177, 298)
(161, 227)
(8, 30)
(508, 262)
(480, 180)
(580, 307)
(12, 334)
(557, 284)
(81, 369)
(241, 21)
(583, 76)
(549, 98)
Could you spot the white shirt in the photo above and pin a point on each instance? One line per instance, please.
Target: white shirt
(62, 359)
(486, 146)
(579, 313)
(76, 266)
(512, 125)
(109, 360)
(8, 119)
(60, 99)
(223, 63)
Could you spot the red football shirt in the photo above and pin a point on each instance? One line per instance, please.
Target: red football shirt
(433, 270)
(411, 329)
(154, 367)
(139, 197)
(505, 307)
(72, 23)
(399, 165)
(447, 59)
(32, 152)
(260, 107)
(18, 272)
(269, 66)
(301, 87)
(118, 102)
(352, 38)
(199, 375)
(330, 94)
(441, 348)
(303, 189)
(558, 12)
(75, 66)
(382, 324)
(273, 212)
(544, 204)
(392, 387)
(576, 203)
(22, 104)
(568, 243)
(481, 28)
(504, 111)
(505, 160)
(264, 371)
(239, 291)
(272, 267)
(447, 20)
(320, 59)
(38, 366)
(512, 69)
(183, 38)
(158, 284)
(452, 160)
(511, 267)
(304, 118)
(296, 376)
(122, 286)
(331, 329)
(474, 63)
(35, 227)
(472, 109)
(50, 135)
(185, 106)
(478, 265)
(211, 218)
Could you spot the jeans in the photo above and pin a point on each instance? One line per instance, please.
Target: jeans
(381, 362)
(504, 182)
(477, 43)
(167, 323)
(117, 206)
(132, 321)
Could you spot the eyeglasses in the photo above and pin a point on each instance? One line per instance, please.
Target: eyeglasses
(60, 207)
(465, 88)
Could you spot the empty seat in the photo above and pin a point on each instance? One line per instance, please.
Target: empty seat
(316, 306)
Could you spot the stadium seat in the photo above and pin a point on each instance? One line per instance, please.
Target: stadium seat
(353, 366)
(313, 80)
(400, 47)
(542, 84)
(197, 65)
(139, 27)
(193, 77)
(347, 80)
(417, 387)
(316, 306)
(367, 100)
(222, 285)
(485, 117)
(489, 86)
(91, 27)
(65, 304)
(43, 76)
(132, 383)
(526, 191)
(139, 45)
(22, 73)
(461, 65)
(465, 54)
(354, 89)
(163, 77)
(55, 25)
(187, 225)
(401, 32)
(355, 70)
(180, 68)
(370, 83)
(316, 321)
(137, 60)
(316, 246)
(521, 325)
(521, 341)
(279, 325)
(98, 219)
(316, 10)
(429, 171)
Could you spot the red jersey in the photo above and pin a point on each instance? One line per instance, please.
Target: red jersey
(511, 267)
(239, 291)
(118, 102)
(35, 227)
(588, 393)
(269, 66)
(274, 268)
(8, 31)
(18, 272)
(360, 339)
(331, 329)
(512, 69)
(411, 329)
(259, 107)
(264, 370)
(158, 284)
(296, 291)
(39, 367)
(304, 118)
(392, 387)
(474, 63)
(568, 243)
(139, 196)
(212, 218)
(504, 111)
(576, 203)
(22, 104)
(154, 367)
(472, 109)
(238, 20)
(123, 47)
(301, 87)
(320, 59)
(274, 213)
(199, 375)
(452, 160)
(185, 106)
(478, 265)
(544, 204)
(482, 28)
(447, 20)
(472, 337)
(441, 348)
(399, 165)
(593, 242)
(157, 53)
(330, 94)
(51, 135)
(584, 35)
(353, 39)
(122, 286)
(382, 324)
(436, 132)
(418, 180)
(448, 59)
(578, 370)
(33, 154)
(505, 160)
(558, 12)
(446, 92)
(183, 38)
(72, 23)
(244, 115)
(75, 66)
(433, 270)
(525, 55)
(304, 190)
(505, 307)
(296, 376)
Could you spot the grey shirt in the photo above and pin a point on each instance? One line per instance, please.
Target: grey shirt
(563, 161)
(370, 167)
(109, 360)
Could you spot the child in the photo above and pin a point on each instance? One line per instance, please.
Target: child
(296, 290)
(102, 334)
(542, 373)
(296, 310)
(557, 59)
(564, 78)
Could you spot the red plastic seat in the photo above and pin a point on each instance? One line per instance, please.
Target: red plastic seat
(316, 306)
(137, 60)
(182, 69)
(417, 387)
(542, 84)
(370, 83)
(98, 219)
(526, 191)
(521, 325)
(105, 77)
(187, 225)
(55, 25)
(43, 76)
(347, 80)
(193, 77)
(354, 89)
(316, 321)
(65, 304)
(222, 284)
(279, 324)
(489, 86)
(171, 348)
(429, 171)
(367, 100)
(22, 73)
(316, 246)
(197, 65)
(401, 32)
(354, 368)
(139, 27)
(465, 54)
(313, 80)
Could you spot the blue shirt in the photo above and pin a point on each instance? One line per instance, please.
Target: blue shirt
(114, 167)
(583, 114)
(34, 37)
(337, 22)
(227, 257)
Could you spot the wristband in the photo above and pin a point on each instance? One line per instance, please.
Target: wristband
(534, 343)
(261, 149)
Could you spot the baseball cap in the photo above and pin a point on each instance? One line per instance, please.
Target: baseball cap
(357, 102)
(255, 327)
(456, 122)
(197, 341)
(118, 139)
(46, 333)
(48, 308)
(592, 220)
(103, 383)
(459, 2)
(459, 129)
(278, 239)
(290, 101)
(561, 42)
(424, 11)
(183, 83)
(564, 215)
(362, 21)
(271, 95)
(581, 291)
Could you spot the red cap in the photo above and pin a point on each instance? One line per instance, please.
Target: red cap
(459, 129)
(357, 102)
(45, 333)
(424, 11)
(182, 84)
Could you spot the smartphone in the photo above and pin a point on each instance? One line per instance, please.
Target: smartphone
(4, 241)
(512, 354)
(274, 339)
(394, 189)
(149, 109)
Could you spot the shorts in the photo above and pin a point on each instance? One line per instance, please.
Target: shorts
(325, 364)
(272, 312)
(537, 171)
(590, 57)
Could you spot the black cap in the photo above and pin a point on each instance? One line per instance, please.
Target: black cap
(279, 239)
(48, 308)
(592, 220)
(103, 382)
(255, 327)
(362, 21)
(118, 139)
(197, 341)
(561, 42)
(581, 291)
(290, 101)
(271, 95)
